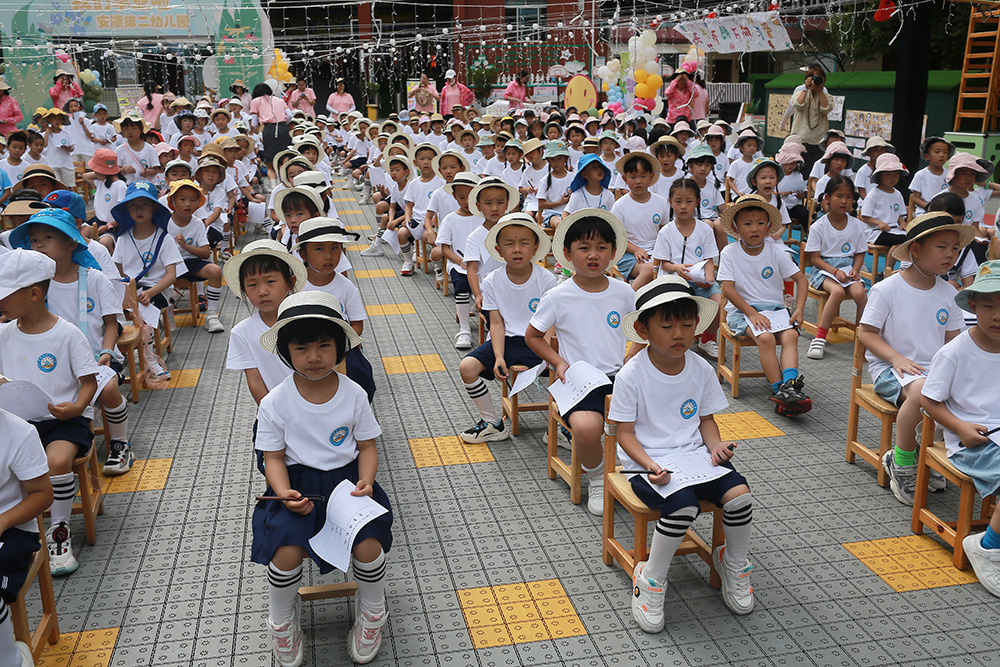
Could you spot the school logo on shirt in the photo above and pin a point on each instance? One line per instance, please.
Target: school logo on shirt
(689, 408)
(533, 304)
(895, 208)
(942, 316)
(767, 272)
(968, 215)
(47, 362)
(846, 248)
(147, 257)
(698, 252)
(107, 197)
(704, 203)
(143, 163)
(90, 304)
(189, 240)
(614, 319)
(337, 437)
(656, 218)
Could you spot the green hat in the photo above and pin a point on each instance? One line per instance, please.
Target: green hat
(987, 281)
(701, 151)
(760, 164)
(555, 149)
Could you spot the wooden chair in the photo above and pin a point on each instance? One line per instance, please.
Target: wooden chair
(733, 372)
(911, 209)
(128, 345)
(934, 456)
(80, 185)
(864, 396)
(511, 406)
(618, 488)
(443, 283)
(191, 287)
(877, 252)
(483, 327)
(47, 628)
(422, 255)
(805, 262)
(91, 501)
(134, 336)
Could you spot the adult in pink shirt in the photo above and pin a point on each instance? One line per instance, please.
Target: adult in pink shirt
(516, 92)
(681, 96)
(340, 101)
(424, 95)
(303, 98)
(64, 90)
(150, 106)
(10, 111)
(451, 93)
(272, 114)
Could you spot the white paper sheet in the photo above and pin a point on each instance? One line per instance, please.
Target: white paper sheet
(687, 469)
(25, 400)
(834, 278)
(392, 240)
(526, 378)
(581, 379)
(906, 378)
(697, 271)
(150, 314)
(105, 374)
(346, 515)
(780, 320)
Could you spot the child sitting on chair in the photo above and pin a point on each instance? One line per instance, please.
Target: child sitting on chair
(586, 312)
(909, 316)
(664, 401)
(643, 214)
(510, 297)
(960, 394)
(452, 236)
(751, 272)
(884, 209)
(930, 181)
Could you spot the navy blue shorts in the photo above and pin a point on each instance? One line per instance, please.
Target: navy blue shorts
(515, 351)
(214, 236)
(17, 549)
(76, 430)
(688, 497)
(358, 161)
(191, 266)
(359, 369)
(592, 402)
(459, 282)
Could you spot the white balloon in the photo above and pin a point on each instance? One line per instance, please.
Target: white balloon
(648, 38)
(658, 109)
(648, 53)
(652, 67)
(633, 43)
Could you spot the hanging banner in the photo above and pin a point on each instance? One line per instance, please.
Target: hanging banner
(761, 31)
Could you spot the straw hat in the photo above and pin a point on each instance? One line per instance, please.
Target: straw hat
(513, 196)
(664, 290)
(751, 201)
(651, 162)
(559, 238)
(532, 144)
(466, 178)
(309, 305)
(665, 141)
(299, 160)
(931, 223)
(463, 163)
(523, 220)
(133, 117)
(324, 230)
(425, 145)
(267, 247)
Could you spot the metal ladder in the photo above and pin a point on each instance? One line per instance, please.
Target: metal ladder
(979, 93)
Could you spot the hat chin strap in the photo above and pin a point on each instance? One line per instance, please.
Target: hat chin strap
(306, 377)
(753, 247)
(914, 265)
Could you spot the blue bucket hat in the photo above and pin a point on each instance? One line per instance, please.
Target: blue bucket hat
(63, 221)
(140, 190)
(68, 201)
(583, 163)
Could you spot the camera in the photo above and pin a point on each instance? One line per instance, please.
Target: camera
(817, 80)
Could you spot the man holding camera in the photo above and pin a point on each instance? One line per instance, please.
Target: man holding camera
(812, 105)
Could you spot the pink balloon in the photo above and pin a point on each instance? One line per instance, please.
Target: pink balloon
(63, 57)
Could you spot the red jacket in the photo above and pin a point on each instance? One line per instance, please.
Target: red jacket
(10, 114)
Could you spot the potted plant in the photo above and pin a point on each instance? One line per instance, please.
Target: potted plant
(371, 93)
(481, 81)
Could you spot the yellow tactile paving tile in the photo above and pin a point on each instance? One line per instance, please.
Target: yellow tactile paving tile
(357, 246)
(416, 363)
(351, 199)
(184, 378)
(391, 309)
(447, 451)
(352, 211)
(745, 426)
(910, 563)
(184, 320)
(358, 228)
(91, 648)
(374, 273)
(145, 475)
(519, 613)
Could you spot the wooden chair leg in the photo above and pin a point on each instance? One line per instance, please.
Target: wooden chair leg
(576, 474)
(736, 371)
(133, 375)
(513, 409)
(608, 519)
(963, 526)
(853, 417)
(884, 445)
(552, 446)
(640, 548)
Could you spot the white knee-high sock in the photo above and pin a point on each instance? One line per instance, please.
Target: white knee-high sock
(480, 396)
(282, 587)
(669, 534)
(63, 493)
(117, 418)
(9, 655)
(407, 251)
(371, 584)
(463, 303)
(212, 296)
(737, 516)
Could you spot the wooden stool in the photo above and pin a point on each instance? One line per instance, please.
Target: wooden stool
(445, 280)
(805, 262)
(91, 501)
(128, 345)
(732, 373)
(80, 185)
(864, 396)
(191, 287)
(934, 456)
(877, 252)
(510, 405)
(618, 488)
(48, 625)
(421, 255)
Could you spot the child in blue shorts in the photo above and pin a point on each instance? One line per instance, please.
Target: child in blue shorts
(664, 402)
(510, 295)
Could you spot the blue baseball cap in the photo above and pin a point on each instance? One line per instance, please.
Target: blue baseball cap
(99, 107)
(68, 201)
(585, 160)
(140, 190)
(61, 220)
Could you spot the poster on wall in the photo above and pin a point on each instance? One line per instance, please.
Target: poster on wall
(776, 105)
(865, 124)
(760, 31)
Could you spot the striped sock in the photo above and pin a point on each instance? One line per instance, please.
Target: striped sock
(63, 493)
(480, 396)
(371, 584)
(463, 304)
(212, 296)
(670, 532)
(737, 516)
(282, 589)
(117, 421)
(407, 252)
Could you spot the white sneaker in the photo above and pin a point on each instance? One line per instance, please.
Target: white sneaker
(365, 637)
(985, 562)
(816, 348)
(374, 250)
(286, 639)
(61, 559)
(737, 592)
(365, 200)
(26, 659)
(562, 442)
(902, 479)
(485, 432)
(463, 340)
(936, 483)
(212, 322)
(407, 269)
(158, 371)
(710, 348)
(647, 600)
(595, 494)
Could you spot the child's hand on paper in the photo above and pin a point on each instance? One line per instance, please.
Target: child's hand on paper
(721, 452)
(760, 322)
(561, 369)
(144, 298)
(971, 435)
(363, 488)
(661, 476)
(65, 411)
(904, 366)
(682, 271)
(853, 274)
(840, 275)
(301, 506)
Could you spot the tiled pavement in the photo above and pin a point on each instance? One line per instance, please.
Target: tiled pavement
(492, 565)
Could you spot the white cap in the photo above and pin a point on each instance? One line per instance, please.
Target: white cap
(450, 74)
(23, 268)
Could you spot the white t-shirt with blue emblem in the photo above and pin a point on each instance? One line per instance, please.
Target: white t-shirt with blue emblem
(454, 231)
(582, 199)
(54, 360)
(884, 206)
(131, 252)
(139, 160)
(516, 303)
(675, 248)
(912, 321)
(246, 352)
(195, 234)
(102, 300)
(588, 324)
(757, 278)
(553, 189)
(419, 193)
(54, 154)
(106, 198)
(322, 436)
(642, 220)
(666, 409)
(829, 241)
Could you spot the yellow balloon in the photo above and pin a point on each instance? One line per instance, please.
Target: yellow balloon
(605, 86)
(641, 90)
(640, 76)
(654, 81)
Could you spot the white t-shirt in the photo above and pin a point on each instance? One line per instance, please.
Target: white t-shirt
(582, 199)
(588, 324)
(642, 220)
(493, 167)
(54, 155)
(720, 169)
(927, 185)
(475, 251)
(419, 193)
(662, 185)
(54, 360)
(829, 241)
(322, 436)
(22, 458)
(140, 160)
(963, 376)
(103, 257)
(758, 279)
(442, 204)
(511, 176)
(346, 292)
(14, 173)
(102, 300)
(106, 132)
(81, 144)
(131, 252)
(106, 198)
(819, 169)
(245, 352)
(974, 206)
(215, 198)
(532, 178)
(738, 171)
(863, 179)
(675, 248)
(516, 303)
(711, 200)
(195, 234)
(792, 182)
(665, 409)
(556, 191)
(884, 206)
(911, 321)
(454, 231)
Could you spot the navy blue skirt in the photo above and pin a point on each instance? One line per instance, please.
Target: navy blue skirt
(359, 369)
(274, 526)
(17, 549)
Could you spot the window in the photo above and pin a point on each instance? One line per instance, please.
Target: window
(521, 15)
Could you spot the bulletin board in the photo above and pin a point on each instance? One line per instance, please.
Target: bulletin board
(776, 105)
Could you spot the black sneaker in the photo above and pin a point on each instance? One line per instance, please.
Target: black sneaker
(120, 458)
(202, 303)
(790, 399)
(485, 432)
